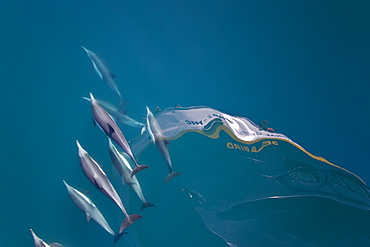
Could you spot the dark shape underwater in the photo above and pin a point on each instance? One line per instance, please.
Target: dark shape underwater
(244, 186)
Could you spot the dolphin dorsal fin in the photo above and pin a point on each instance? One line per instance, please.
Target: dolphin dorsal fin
(98, 182)
(111, 130)
(123, 111)
(88, 217)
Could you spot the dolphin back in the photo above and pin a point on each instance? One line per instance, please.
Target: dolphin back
(55, 245)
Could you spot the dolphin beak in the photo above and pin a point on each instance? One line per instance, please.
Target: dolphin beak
(78, 144)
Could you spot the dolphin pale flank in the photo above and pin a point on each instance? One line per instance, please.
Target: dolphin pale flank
(155, 133)
(96, 175)
(88, 207)
(111, 129)
(118, 114)
(40, 243)
(122, 165)
(104, 73)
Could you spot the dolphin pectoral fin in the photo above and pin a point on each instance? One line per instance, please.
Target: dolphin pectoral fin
(118, 236)
(146, 205)
(172, 175)
(139, 168)
(112, 75)
(166, 142)
(128, 221)
(88, 217)
(111, 130)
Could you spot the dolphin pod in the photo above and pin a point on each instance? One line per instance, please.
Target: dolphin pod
(122, 165)
(96, 175)
(40, 243)
(156, 135)
(111, 129)
(105, 116)
(103, 72)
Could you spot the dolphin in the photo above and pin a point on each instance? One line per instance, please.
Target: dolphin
(122, 165)
(96, 175)
(118, 114)
(87, 206)
(40, 243)
(155, 133)
(103, 72)
(111, 129)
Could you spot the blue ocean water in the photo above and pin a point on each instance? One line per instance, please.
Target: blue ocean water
(301, 66)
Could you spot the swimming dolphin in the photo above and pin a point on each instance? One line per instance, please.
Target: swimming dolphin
(96, 175)
(118, 114)
(122, 165)
(102, 70)
(155, 133)
(87, 206)
(111, 129)
(40, 243)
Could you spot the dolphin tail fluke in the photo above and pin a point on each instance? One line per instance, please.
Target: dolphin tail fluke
(118, 236)
(128, 221)
(139, 168)
(146, 205)
(172, 175)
